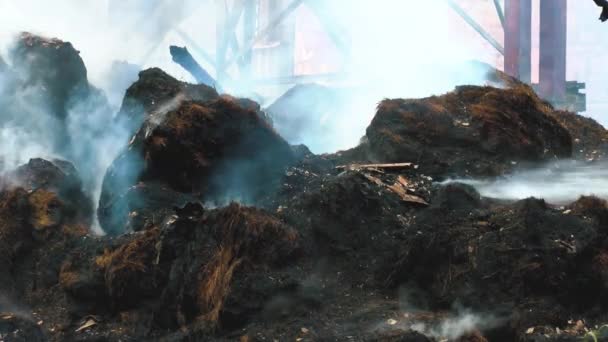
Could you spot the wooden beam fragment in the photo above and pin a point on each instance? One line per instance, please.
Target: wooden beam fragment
(394, 166)
(183, 57)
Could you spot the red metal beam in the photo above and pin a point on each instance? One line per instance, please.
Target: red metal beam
(518, 39)
(553, 40)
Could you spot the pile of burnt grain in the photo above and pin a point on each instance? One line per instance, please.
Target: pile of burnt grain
(196, 272)
(56, 176)
(155, 93)
(48, 104)
(50, 73)
(471, 131)
(52, 64)
(39, 220)
(218, 150)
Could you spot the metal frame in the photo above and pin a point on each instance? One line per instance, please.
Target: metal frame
(515, 19)
(553, 41)
(518, 39)
(484, 34)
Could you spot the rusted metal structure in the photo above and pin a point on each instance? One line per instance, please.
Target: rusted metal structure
(552, 65)
(517, 26)
(518, 39)
(259, 35)
(267, 38)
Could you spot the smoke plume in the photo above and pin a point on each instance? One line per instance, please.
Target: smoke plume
(399, 49)
(558, 183)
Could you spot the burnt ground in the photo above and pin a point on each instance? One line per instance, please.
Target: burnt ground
(321, 247)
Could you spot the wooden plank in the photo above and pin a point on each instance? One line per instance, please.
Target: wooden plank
(402, 192)
(397, 189)
(376, 166)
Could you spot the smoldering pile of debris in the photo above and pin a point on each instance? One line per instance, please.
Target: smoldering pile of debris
(360, 245)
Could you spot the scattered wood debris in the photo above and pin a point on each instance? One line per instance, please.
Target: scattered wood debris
(393, 166)
(398, 188)
(88, 322)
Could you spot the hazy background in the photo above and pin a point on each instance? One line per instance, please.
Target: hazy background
(400, 48)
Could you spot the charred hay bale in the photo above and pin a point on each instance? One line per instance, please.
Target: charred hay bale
(197, 139)
(80, 280)
(56, 175)
(249, 242)
(130, 271)
(156, 91)
(27, 218)
(142, 205)
(81, 275)
(32, 220)
(590, 139)
(216, 151)
(59, 177)
(16, 328)
(200, 267)
(14, 236)
(52, 64)
(48, 95)
(46, 210)
(472, 130)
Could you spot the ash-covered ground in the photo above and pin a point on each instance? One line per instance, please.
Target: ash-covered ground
(216, 229)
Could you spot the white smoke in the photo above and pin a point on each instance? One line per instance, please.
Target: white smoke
(26, 127)
(450, 326)
(454, 327)
(558, 183)
(399, 49)
(104, 31)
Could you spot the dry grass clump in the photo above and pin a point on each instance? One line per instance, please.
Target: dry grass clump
(129, 269)
(248, 237)
(46, 209)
